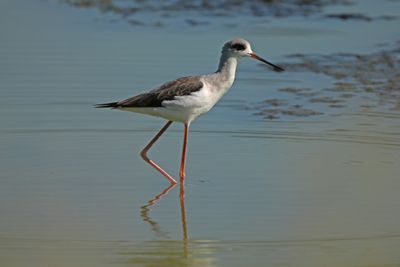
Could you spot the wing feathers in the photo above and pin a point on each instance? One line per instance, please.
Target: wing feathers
(154, 98)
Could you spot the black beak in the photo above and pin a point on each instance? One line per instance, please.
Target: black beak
(275, 67)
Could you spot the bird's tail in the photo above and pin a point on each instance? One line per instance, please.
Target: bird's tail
(107, 105)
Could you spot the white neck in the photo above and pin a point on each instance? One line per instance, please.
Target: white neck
(225, 75)
(227, 66)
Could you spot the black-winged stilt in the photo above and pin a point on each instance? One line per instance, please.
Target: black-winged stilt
(184, 99)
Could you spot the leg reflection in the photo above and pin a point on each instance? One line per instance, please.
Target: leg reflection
(184, 222)
(183, 212)
(145, 213)
(155, 227)
(166, 251)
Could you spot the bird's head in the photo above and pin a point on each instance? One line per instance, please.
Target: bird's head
(239, 48)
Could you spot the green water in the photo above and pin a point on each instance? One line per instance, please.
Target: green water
(296, 191)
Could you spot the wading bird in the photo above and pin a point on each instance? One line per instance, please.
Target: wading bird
(184, 99)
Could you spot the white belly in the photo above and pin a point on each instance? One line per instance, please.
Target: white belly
(184, 108)
(179, 114)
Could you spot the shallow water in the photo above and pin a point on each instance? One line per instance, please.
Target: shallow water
(292, 191)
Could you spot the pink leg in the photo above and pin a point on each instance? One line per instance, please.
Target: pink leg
(182, 172)
(143, 153)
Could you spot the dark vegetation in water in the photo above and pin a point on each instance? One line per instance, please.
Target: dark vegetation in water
(274, 112)
(359, 17)
(374, 76)
(377, 73)
(160, 12)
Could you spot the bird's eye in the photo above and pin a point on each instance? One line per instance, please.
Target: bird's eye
(238, 47)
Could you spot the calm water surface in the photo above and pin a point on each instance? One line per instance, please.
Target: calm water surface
(297, 191)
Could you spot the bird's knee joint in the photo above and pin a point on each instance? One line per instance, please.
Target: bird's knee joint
(144, 156)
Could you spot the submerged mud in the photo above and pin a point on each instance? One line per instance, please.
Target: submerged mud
(373, 78)
(162, 13)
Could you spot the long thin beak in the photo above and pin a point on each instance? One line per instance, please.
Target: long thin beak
(275, 67)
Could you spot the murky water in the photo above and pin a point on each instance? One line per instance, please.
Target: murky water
(318, 190)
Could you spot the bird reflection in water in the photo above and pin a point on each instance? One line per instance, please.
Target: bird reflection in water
(145, 212)
(166, 251)
(155, 227)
